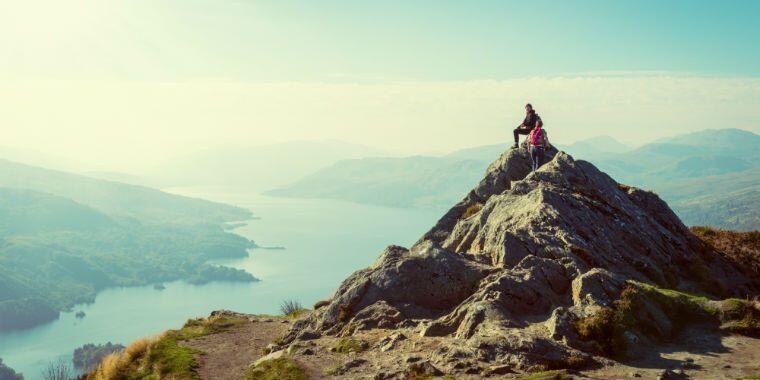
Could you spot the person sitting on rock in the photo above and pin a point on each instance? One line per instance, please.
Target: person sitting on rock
(531, 118)
(538, 142)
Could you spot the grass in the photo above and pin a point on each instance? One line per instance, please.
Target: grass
(633, 312)
(346, 345)
(740, 247)
(162, 356)
(472, 210)
(290, 308)
(276, 369)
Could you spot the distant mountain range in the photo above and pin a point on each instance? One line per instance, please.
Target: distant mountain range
(709, 177)
(114, 198)
(64, 237)
(255, 167)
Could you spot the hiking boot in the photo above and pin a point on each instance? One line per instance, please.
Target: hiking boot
(515, 146)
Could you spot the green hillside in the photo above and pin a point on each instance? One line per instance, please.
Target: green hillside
(118, 199)
(55, 253)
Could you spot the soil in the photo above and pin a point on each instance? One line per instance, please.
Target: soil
(699, 353)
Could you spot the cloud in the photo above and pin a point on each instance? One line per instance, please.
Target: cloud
(109, 121)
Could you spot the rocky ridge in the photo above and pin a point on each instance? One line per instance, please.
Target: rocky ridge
(507, 273)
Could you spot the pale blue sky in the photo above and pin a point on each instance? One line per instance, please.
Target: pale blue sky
(276, 41)
(97, 80)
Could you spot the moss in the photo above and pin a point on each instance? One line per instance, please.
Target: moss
(546, 375)
(346, 345)
(276, 369)
(472, 210)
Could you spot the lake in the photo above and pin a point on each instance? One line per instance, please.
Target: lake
(324, 242)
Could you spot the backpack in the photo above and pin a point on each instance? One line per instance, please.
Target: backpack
(538, 137)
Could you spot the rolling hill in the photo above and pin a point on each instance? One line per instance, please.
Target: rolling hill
(692, 172)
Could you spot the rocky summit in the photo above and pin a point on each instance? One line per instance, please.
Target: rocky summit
(558, 268)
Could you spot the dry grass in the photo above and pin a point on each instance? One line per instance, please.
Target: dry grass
(742, 248)
(162, 357)
(472, 210)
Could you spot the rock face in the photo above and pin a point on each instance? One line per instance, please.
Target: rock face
(504, 272)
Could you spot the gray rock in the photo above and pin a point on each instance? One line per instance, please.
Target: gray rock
(508, 281)
(270, 356)
(423, 368)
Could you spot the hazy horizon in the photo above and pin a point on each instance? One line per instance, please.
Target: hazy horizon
(124, 85)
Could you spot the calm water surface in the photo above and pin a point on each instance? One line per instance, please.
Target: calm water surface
(325, 241)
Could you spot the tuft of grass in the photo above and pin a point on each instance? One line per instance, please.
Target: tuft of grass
(740, 317)
(546, 375)
(740, 247)
(276, 369)
(346, 345)
(162, 356)
(631, 313)
(605, 329)
(344, 314)
(290, 308)
(472, 210)
(321, 304)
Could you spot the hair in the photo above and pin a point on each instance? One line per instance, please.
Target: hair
(529, 105)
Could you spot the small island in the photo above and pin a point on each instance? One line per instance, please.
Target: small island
(88, 356)
(159, 287)
(80, 314)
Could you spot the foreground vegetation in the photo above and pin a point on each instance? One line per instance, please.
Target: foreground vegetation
(162, 357)
(660, 314)
(283, 368)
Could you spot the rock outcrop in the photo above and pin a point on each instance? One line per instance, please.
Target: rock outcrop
(507, 270)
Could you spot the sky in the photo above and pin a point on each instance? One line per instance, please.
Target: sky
(99, 80)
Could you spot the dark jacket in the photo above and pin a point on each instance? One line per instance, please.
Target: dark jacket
(530, 120)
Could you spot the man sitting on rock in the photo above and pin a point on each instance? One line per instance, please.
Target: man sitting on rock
(531, 117)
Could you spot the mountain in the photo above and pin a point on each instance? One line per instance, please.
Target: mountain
(256, 167)
(687, 164)
(118, 199)
(561, 273)
(400, 182)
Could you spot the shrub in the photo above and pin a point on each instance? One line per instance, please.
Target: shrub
(346, 345)
(290, 308)
(320, 304)
(276, 369)
(605, 329)
(472, 210)
(59, 370)
(344, 314)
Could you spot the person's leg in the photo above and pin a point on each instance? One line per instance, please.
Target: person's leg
(539, 158)
(533, 158)
(519, 131)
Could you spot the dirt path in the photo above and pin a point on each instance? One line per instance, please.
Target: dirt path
(700, 354)
(228, 354)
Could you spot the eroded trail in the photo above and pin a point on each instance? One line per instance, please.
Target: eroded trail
(227, 354)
